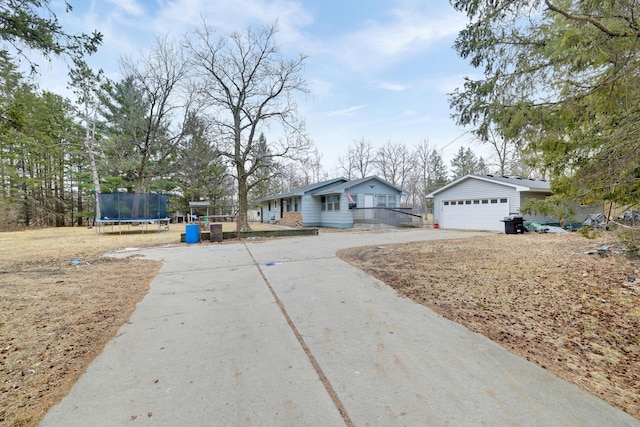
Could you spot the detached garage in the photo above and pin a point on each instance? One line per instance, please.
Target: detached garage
(480, 202)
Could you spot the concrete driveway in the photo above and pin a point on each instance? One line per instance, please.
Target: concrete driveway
(282, 333)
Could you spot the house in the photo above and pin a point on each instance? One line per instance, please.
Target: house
(254, 215)
(480, 202)
(329, 203)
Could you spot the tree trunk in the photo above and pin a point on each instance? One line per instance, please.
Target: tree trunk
(60, 197)
(243, 204)
(80, 208)
(89, 141)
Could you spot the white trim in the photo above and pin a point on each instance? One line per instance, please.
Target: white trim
(519, 188)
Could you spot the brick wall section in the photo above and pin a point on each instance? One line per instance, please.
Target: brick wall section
(291, 219)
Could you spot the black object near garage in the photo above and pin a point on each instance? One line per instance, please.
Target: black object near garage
(513, 224)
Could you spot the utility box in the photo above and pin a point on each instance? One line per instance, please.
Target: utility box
(215, 232)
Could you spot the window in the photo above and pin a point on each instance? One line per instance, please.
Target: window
(330, 203)
(476, 202)
(503, 200)
(269, 205)
(381, 201)
(467, 202)
(446, 203)
(391, 201)
(485, 202)
(494, 200)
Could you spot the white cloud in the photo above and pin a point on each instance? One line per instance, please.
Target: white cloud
(178, 16)
(346, 111)
(130, 7)
(394, 87)
(447, 84)
(406, 32)
(319, 88)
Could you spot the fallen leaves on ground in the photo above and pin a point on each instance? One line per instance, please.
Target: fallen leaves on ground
(55, 318)
(538, 295)
(61, 301)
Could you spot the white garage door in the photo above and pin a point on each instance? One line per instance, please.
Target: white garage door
(474, 214)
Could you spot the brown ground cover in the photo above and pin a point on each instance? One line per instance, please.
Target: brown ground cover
(61, 301)
(538, 295)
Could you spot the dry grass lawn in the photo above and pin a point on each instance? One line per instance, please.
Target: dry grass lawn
(61, 301)
(538, 295)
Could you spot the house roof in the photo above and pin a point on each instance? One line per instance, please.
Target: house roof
(519, 184)
(342, 186)
(300, 191)
(332, 186)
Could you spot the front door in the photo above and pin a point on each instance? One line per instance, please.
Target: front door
(368, 203)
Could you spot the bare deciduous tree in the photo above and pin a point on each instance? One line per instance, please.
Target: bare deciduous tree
(311, 167)
(142, 109)
(245, 84)
(395, 163)
(359, 160)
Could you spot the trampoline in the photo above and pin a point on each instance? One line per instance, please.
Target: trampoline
(132, 210)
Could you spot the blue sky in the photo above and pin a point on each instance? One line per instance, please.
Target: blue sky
(378, 69)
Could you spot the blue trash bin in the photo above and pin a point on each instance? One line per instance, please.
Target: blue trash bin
(192, 233)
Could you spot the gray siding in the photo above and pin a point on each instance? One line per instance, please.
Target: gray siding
(311, 206)
(378, 189)
(274, 213)
(536, 216)
(581, 211)
(340, 219)
(311, 211)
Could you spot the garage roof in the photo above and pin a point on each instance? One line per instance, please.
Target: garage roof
(520, 184)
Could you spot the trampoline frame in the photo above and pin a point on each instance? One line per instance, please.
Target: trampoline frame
(102, 222)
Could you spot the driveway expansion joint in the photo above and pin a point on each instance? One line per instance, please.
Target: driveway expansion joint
(314, 362)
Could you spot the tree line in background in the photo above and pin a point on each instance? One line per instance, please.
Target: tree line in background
(186, 119)
(557, 99)
(420, 169)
